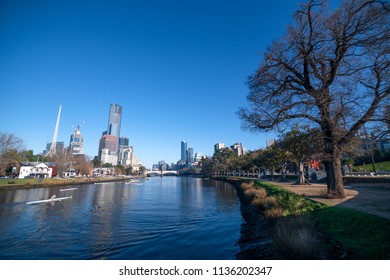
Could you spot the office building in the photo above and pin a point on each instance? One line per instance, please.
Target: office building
(125, 155)
(76, 144)
(218, 147)
(110, 143)
(59, 147)
(198, 157)
(183, 151)
(110, 138)
(238, 149)
(114, 120)
(190, 155)
(123, 142)
(107, 156)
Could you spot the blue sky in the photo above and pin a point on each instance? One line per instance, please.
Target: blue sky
(178, 68)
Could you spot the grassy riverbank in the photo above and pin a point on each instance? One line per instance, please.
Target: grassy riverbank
(30, 183)
(380, 166)
(304, 229)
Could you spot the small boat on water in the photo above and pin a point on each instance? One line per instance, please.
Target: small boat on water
(133, 181)
(52, 199)
(68, 189)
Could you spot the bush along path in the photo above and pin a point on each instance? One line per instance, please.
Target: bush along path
(255, 241)
(282, 225)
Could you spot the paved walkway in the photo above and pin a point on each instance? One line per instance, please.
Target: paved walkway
(372, 199)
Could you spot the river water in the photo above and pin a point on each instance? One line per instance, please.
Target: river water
(158, 218)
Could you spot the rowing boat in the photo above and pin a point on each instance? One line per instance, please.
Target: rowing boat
(68, 189)
(48, 200)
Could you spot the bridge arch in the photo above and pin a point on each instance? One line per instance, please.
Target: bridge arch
(161, 173)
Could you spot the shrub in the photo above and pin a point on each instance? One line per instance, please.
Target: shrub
(249, 194)
(246, 185)
(265, 203)
(260, 193)
(275, 212)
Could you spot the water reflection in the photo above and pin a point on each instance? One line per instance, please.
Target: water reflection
(163, 218)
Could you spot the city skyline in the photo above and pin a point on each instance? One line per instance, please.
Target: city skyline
(179, 71)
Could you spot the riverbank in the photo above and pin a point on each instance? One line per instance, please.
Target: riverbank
(296, 226)
(12, 184)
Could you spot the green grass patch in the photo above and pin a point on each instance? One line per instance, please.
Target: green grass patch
(380, 166)
(345, 233)
(292, 204)
(46, 182)
(364, 236)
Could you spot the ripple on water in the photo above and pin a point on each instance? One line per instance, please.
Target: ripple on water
(165, 218)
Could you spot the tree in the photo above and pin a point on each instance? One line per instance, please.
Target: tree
(223, 160)
(82, 164)
(207, 166)
(96, 162)
(11, 148)
(330, 70)
(275, 158)
(302, 144)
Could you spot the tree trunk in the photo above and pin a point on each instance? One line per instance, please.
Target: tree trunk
(301, 177)
(334, 177)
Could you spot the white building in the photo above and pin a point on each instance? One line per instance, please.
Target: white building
(237, 148)
(136, 163)
(218, 147)
(125, 155)
(35, 170)
(104, 172)
(198, 157)
(108, 156)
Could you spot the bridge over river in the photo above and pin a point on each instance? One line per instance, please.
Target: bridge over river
(161, 173)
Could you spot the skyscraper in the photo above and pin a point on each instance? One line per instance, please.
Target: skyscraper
(114, 120)
(76, 145)
(108, 149)
(190, 157)
(183, 151)
(123, 141)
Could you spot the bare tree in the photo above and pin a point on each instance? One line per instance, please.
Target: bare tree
(10, 151)
(331, 70)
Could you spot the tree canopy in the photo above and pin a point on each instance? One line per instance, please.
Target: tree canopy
(330, 70)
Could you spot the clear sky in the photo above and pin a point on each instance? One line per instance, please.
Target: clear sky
(177, 67)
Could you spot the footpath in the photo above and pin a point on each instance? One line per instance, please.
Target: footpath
(369, 198)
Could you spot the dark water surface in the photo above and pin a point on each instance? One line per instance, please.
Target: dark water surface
(159, 218)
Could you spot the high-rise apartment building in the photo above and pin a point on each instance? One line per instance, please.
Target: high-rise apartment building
(110, 145)
(114, 120)
(237, 148)
(190, 155)
(183, 151)
(218, 147)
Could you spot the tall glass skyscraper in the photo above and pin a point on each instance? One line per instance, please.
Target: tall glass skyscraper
(184, 151)
(114, 120)
(190, 155)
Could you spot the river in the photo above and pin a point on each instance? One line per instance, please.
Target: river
(158, 218)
